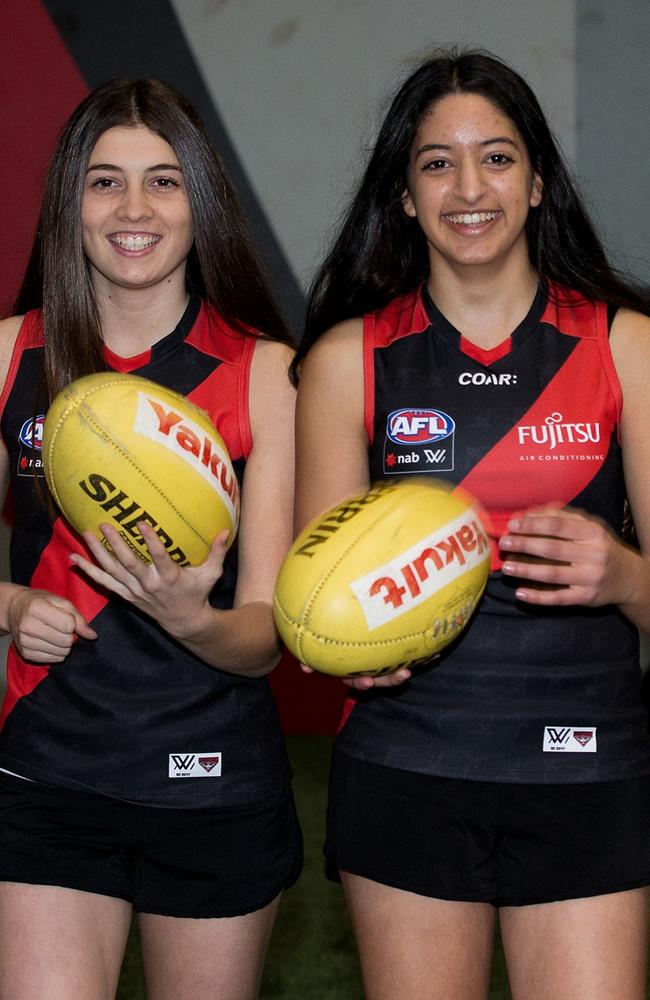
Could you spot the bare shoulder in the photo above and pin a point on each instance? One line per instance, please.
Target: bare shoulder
(334, 364)
(337, 349)
(8, 332)
(272, 355)
(349, 330)
(630, 344)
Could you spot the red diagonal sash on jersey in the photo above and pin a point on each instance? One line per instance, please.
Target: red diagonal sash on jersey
(55, 574)
(556, 433)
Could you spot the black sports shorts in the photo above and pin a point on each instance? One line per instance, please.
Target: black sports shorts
(504, 844)
(220, 862)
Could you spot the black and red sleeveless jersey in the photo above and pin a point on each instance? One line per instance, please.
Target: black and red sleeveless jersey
(133, 715)
(525, 694)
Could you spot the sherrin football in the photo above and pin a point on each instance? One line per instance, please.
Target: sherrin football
(384, 579)
(120, 449)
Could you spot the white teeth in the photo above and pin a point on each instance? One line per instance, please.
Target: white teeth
(472, 218)
(134, 242)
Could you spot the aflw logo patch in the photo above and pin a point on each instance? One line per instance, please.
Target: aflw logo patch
(194, 765)
(570, 739)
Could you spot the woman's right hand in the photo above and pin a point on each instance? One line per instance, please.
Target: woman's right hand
(43, 625)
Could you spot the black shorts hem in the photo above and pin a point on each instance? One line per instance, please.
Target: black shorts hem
(207, 863)
(75, 885)
(207, 912)
(497, 843)
(332, 872)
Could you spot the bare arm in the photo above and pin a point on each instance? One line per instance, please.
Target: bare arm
(43, 625)
(631, 350)
(242, 640)
(599, 568)
(331, 441)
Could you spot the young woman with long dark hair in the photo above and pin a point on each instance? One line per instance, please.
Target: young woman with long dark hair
(120, 674)
(510, 777)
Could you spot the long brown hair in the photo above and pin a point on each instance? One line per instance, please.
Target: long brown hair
(222, 266)
(380, 253)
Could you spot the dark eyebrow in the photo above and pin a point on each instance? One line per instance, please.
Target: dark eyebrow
(116, 169)
(433, 146)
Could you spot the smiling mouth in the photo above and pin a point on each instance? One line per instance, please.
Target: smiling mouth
(470, 218)
(131, 241)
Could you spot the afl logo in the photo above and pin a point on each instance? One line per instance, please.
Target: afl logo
(31, 433)
(411, 426)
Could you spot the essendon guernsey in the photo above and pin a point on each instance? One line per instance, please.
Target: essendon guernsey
(524, 694)
(133, 715)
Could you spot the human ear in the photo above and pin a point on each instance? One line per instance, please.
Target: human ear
(407, 203)
(537, 191)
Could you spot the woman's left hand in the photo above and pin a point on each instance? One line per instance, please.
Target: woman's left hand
(172, 595)
(575, 557)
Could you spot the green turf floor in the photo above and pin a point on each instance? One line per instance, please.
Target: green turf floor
(312, 955)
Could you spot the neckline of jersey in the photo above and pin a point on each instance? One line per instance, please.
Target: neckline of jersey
(441, 325)
(163, 346)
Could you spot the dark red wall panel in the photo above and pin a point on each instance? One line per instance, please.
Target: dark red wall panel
(40, 85)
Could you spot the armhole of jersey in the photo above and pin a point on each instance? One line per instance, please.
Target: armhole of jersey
(22, 336)
(369, 376)
(243, 394)
(604, 319)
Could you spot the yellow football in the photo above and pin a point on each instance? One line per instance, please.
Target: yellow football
(120, 449)
(385, 579)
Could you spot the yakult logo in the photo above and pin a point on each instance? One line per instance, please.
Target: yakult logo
(411, 426)
(553, 433)
(181, 435)
(411, 577)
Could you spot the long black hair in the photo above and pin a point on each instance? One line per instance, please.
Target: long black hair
(381, 253)
(222, 267)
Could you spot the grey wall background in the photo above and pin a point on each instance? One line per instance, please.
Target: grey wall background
(612, 122)
(301, 85)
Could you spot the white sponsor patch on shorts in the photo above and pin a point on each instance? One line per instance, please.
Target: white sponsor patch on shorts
(570, 739)
(194, 765)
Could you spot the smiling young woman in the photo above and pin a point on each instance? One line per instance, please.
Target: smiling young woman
(510, 778)
(135, 213)
(470, 185)
(117, 669)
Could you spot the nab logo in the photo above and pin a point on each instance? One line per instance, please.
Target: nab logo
(412, 426)
(31, 433)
